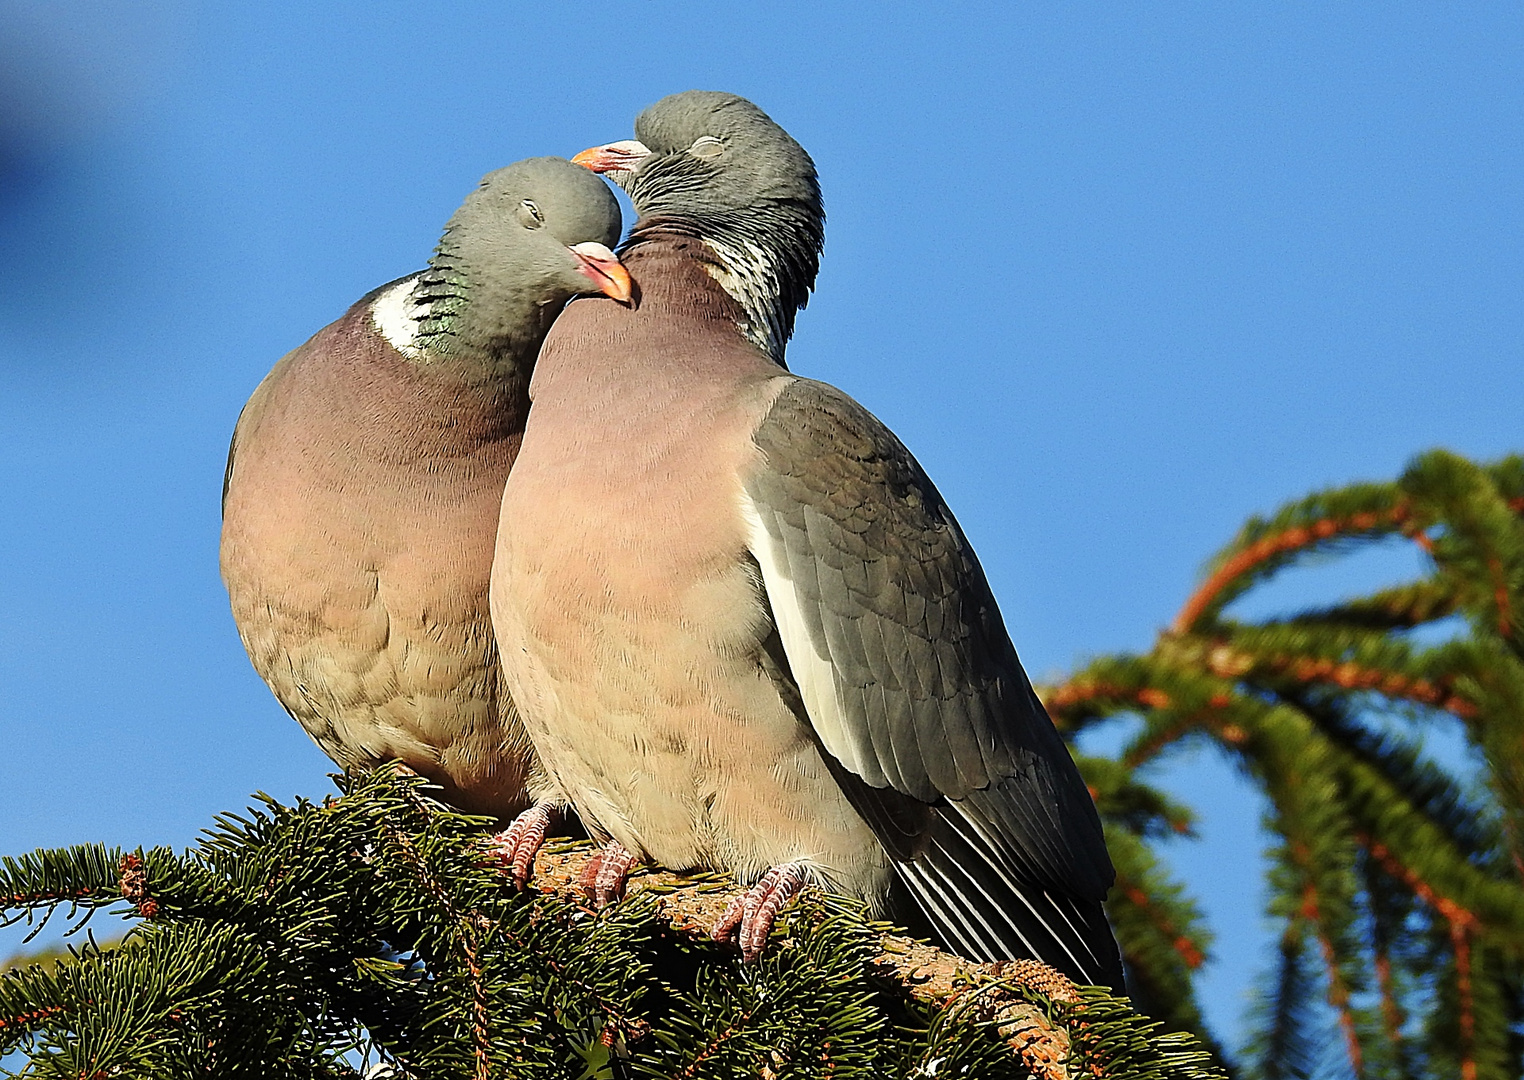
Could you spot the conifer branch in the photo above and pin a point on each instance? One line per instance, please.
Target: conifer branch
(77, 877)
(1368, 822)
(380, 921)
(693, 905)
(1348, 658)
(1398, 608)
(1481, 543)
(1258, 552)
(1338, 988)
(1460, 943)
(1288, 1044)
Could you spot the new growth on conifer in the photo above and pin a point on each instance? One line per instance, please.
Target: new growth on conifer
(1397, 882)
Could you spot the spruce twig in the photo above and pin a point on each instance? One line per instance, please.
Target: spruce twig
(379, 922)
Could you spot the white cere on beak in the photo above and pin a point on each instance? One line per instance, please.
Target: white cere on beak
(593, 250)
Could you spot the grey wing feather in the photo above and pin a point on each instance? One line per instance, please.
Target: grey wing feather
(909, 677)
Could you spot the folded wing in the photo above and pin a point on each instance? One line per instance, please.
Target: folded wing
(911, 683)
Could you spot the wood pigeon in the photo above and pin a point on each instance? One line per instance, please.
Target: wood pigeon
(745, 631)
(365, 477)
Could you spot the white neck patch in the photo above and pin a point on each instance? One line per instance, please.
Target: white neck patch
(395, 315)
(750, 276)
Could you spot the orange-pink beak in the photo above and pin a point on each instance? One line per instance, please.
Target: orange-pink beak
(603, 268)
(614, 157)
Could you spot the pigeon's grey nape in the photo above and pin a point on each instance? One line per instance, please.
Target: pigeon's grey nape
(715, 166)
(572, 204)
(753, 164)
(529, 238)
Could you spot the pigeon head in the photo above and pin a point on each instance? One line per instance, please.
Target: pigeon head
(715, 166)
(528, 239)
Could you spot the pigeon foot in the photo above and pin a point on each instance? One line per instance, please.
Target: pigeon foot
(753, 914)
(521, 841)
(604, 877)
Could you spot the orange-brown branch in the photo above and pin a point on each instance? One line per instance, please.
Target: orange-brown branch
(1180, 942)
(1082, 691)
(1338, 992)
(1270, 546)
(1460, 940)
(1208, 719)
(1391, 1012)
(29, 1019)
(1225, 661)
(1452, 912)
(1462, 922)
(1500, 595)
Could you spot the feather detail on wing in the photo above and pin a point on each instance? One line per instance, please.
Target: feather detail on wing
(910, 682)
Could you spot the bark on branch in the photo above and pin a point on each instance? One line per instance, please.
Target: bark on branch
(927, 974)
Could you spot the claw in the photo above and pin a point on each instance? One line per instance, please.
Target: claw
(521, 842)
(603, 878)
(753, 914)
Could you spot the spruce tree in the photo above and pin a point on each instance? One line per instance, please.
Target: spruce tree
(1398, 884)
(374, 934)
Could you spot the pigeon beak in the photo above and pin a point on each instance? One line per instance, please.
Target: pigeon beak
(616, 157)
(603, 268)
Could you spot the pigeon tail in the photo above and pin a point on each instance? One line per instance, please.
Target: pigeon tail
(984, 914)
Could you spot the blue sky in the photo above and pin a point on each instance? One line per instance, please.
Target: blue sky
(1119, 274)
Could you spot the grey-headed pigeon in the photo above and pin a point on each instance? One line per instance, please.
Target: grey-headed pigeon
(364, 482)
(745, 631)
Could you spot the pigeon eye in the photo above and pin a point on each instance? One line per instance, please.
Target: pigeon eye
(530, 214)
(706, 146)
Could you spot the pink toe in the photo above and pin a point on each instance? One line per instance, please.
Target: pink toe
(604, 877)
(725, 929)
(521, 842)
(756, 911)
